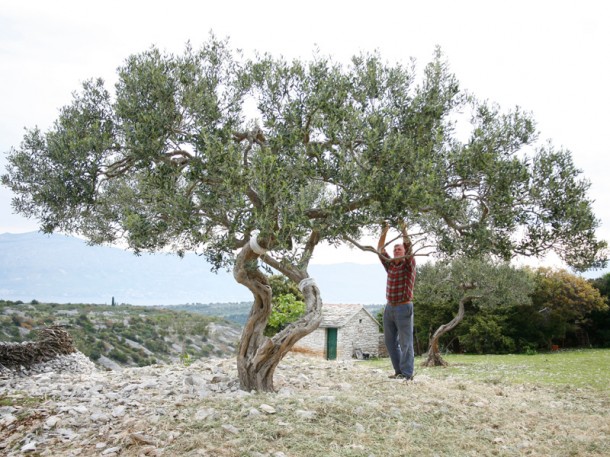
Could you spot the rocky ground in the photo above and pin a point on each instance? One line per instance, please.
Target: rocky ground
(68, 407)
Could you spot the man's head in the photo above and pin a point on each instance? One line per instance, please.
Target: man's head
(399, 250)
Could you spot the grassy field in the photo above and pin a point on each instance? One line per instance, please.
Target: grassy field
(541, 405)
(579, 368)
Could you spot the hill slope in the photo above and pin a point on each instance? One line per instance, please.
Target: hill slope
(116, 336)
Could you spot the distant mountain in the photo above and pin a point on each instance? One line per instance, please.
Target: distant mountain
(63, 269)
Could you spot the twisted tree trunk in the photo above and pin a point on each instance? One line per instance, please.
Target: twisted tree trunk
(259, 355)
(434, 354)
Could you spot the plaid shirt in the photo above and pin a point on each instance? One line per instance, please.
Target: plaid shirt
(401, 279)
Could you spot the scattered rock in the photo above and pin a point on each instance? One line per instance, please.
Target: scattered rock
(231, 429)
(100, 417)
(119, 411)
(140, 438)
(204, 414)
(30, 447)
(52, 421)
(303, 414)
(267, 409)
(76, 409)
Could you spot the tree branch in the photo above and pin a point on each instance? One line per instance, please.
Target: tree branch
(361, 247)
(375, 251)
(119, 168)
(319, 213)
(314, 239)
(287, 270)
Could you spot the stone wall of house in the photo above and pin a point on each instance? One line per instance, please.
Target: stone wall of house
(312, 344)
(360, 332)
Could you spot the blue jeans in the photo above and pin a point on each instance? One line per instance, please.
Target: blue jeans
(398, 335)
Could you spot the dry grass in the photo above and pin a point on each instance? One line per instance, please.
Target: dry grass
(353, 409)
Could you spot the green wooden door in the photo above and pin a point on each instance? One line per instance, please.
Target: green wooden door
(331, 343)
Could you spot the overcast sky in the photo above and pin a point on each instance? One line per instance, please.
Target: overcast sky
(549, 57)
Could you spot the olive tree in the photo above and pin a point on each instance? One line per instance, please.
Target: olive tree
(255, 162)
(462, 281)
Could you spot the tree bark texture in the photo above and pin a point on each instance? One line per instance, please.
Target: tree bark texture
(259, 355)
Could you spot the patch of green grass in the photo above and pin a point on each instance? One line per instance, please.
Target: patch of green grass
(588, 368)
(18, 398)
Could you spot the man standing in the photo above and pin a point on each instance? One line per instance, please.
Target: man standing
(398, 314)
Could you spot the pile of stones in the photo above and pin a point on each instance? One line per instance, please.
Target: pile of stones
(66, 406)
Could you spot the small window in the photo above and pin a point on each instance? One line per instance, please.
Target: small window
(361, 321)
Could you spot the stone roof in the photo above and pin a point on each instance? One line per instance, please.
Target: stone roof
(339, 315)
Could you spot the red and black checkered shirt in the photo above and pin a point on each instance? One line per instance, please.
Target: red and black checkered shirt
(401, 279)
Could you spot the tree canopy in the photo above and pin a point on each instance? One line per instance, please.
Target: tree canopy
(204, 150)
(198, 150)
(569, 296)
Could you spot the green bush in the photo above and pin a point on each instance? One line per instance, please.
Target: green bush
(156, 346)
(286, 309)
(485, 336)
(530, 350)
(117, 355)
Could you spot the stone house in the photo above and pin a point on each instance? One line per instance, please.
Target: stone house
(346, 331)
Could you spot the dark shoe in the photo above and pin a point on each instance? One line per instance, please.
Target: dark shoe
(396, 376)
(409, 378)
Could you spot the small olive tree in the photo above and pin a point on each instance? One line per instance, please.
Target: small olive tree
(462, 281)
(260, 160)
